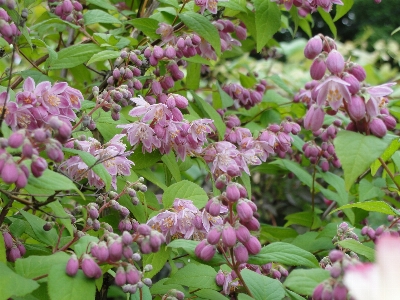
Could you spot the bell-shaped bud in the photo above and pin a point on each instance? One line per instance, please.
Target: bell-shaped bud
(16, 139)
(228, 235)
(356, 108)
(335, 255)
(335, 62)
(115, 249)
(214, 235)
(313, 47)
(358, 72)
(220, 278)
(354, 86)
(8, 240)
(120, 276)
(72, 266)
(318, 68)
(376, 126)
(232, 192)
(244, 211)
(13, 254)
(242, 234)
(241, 253)
(253, 245)
(207, 253)
(90, 268)
(314, 118)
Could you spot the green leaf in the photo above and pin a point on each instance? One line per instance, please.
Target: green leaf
(82, 244)
(193, 76)
(357, 152)
(286, 254)
(393, 147)
(210, 294)
(328, 20)
(147, 25)
(144, 160)
(58, 210)
(95, 16)
(304, 282)
(368, 190)
(53, 181)
(157, 260)
(104, 55)
(152, 177)
(279, 82)
(263, 287)
(160, 288)
(185, 190)
(47, 237)
(304, 218)
(246, 180)
(103, 4)
(51, 22)
(203, 27)
(12, 284)
(93, 163)
(170, 161)
(73, 56)
(377, 206)
(341, 10)
(234, 5)
(294, 296)
(226, 100)
(339, 185)
(144, 295)
(242, 296)
(195, 276)
(212, 114)
(358, 248)
(268, 21)
(64, 287)
(35, 266)
(276, 233)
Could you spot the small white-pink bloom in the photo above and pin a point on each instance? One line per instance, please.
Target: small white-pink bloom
(380, 280)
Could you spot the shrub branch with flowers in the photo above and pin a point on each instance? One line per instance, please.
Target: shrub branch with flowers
(163, 150)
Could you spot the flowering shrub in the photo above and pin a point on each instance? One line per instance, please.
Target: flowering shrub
(164, 150)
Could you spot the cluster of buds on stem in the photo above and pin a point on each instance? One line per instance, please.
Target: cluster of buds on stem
(68, 10)
(246, 97)
(392, 229)
(339, 87)
(8, 29)
(305, 7)
(14, 248)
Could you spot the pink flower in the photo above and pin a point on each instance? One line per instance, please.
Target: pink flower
(166, 31)
(141, 132)
(377, 98)
(379, 280)
(332, 92)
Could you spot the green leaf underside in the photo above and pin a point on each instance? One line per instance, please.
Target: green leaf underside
(12, 284)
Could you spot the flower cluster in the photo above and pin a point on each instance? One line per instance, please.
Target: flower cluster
(68, 10)
(343, 89)
(337, 262)
(14, 248)
(185, 220)
(246, 97)
(374, 234)
(323, 154)
(306, 7)
(8, 29)
(112, 155)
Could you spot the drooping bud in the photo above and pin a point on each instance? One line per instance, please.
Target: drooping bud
(90, 267)
(356, 108)
(72, 266)
(377, 127)
(313, 47)
(132, 275)
(115, 250)
(253, 245)
(214, 235)
(314, 118)
(228, 236)
(318, 68)
(244, 211)
(241, 253)
(242, 234)
(220, 278)
(232, 192)
(120, 276)
(335, 62)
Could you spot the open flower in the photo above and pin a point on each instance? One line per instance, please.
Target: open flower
(380, 280)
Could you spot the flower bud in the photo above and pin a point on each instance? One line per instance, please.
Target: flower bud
(232, 192)
(335, 62)
(241, 253)
(358, 72)
(9, 173)
(21, 248)
(13, 254)
(132, 275)
(317, 294)
(389, 121)
(377, 127)
(242, 234)
(90, 267)
(120, 276)
(356, 108)
(340, 292)
(313, 47)
(8, 240)
(207, 253)
(318, 68)
(144, 229)
(16, 139)
(228, 236)
(127, 238)
(241, 32)
(244, 211)
(220, 278)
(214, 235)
(314, 118)
(72, 265)
(115, 250)
(253, 245)
(354, 86)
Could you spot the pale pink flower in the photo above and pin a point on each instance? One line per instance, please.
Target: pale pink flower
(141, 132)
(377, 98)
(166, 31)
(369, 281)
(332, 92)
